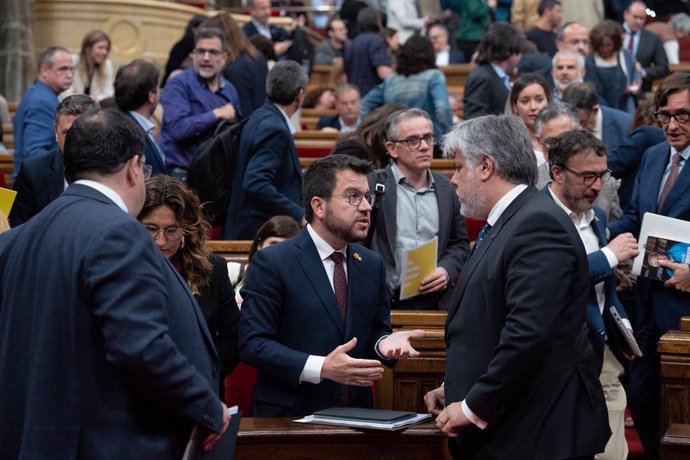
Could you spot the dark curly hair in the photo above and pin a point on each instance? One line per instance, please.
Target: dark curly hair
(607, 28)
(193, 256)
(415, 56)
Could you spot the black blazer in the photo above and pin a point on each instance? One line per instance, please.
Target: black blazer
(651, 55)
(329, 121)
(485, 93)
(248, 75)
(40, 181)
(517, 348)
(153, 158)
(217, 302)
(456, 57)
(278, 34)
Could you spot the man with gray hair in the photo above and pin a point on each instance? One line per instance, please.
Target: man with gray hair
(567, 67)
(41, 179)
(520, 378)
(417, 206)
(267, 179)
(33, 122)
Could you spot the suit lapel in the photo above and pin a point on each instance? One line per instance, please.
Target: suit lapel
(478, 254)
(652, 181)
(308, 258)
(679, 189)
(445, 214)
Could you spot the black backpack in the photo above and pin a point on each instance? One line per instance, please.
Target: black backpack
(210, 171)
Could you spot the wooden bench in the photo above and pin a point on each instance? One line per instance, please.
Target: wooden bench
(674, 351)
(315, 144)
(7, 167)
(8, 135)
(675, 444)
(231, 250)
(310, 117)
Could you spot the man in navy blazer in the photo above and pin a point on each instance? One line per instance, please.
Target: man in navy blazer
(315, 316)
(658, 308)
(259, 12)
(520, 381)
(105, 353)
(137, 95)
(579, 170)
(41, 179)
(445, 55)
(417, 205)
(644, 45)
(267, 178)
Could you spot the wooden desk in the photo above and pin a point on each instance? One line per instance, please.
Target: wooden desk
(674, 350)
(281, 438)
(675, 445)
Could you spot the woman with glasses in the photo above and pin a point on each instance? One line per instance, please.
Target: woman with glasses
(417, 83)
(93, 71)
(173, 216)
(530, 93)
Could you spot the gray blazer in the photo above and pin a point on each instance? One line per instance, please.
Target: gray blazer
(453, 245)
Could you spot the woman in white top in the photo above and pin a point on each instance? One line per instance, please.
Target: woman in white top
(93, 71)
(529, 94)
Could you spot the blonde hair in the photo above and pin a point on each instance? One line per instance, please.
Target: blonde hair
(87, 68)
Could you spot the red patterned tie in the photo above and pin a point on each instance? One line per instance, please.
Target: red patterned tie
(340, 282)
(631, 43)
(675, 163)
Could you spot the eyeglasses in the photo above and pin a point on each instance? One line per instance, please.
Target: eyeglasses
(681, 116)
(172, 233)
(211, 51)
(589, 178)
(415, 141)
(354, 198)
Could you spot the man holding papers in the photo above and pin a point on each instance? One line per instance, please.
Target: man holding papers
(520, 379)
(578, 169)
(662, 187)
(315, 317)
(417, 205)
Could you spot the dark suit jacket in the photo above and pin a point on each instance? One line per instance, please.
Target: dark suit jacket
(330, 121)
(615, 127)
(665, 306)
(248, 75)
(267, 178)
(217, 303)
(456, 57)
(516, 340)
(601, 325)
(484, 93)
(624, 159)
(290, 312)
(39, 182)
(105, 351)
(453, 244)
(278, 34)
(651, 55)
(153, 158)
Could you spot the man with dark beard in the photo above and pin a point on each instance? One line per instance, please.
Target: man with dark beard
(315, 317)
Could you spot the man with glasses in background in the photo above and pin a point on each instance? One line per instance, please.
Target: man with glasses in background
(417, 205)
(33, 123)
(196, 100)
(579, 172)
(662, 187)
(315, 316)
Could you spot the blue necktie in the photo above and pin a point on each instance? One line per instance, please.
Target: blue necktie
(482, 234)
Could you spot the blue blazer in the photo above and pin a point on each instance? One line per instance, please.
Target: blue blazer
(601, 325)
(624, 159)
(654, 301)
(153, 158)
(615, 126)
(267, 178)
(290, 312)
(278, 34)
(456, 57)
(39, 182)
(121, 362)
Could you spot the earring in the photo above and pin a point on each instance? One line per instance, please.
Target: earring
(182, 244)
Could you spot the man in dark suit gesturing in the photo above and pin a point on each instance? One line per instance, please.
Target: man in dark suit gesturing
(315, 316)
(104, 352)
(520, 379)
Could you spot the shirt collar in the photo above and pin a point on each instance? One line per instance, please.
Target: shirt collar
(503, 203)
(685, 153)
(598, 124)
(204, 84)
(587, 216)
(400, 177)
(287, 120)
(145, 123)
(105, 190)
(322, 247)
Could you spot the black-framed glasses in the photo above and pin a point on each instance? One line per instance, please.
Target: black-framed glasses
(211, 51)
(589, 178)
(414, 142)
(664, 116)
(172, 233)
(354, 198)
